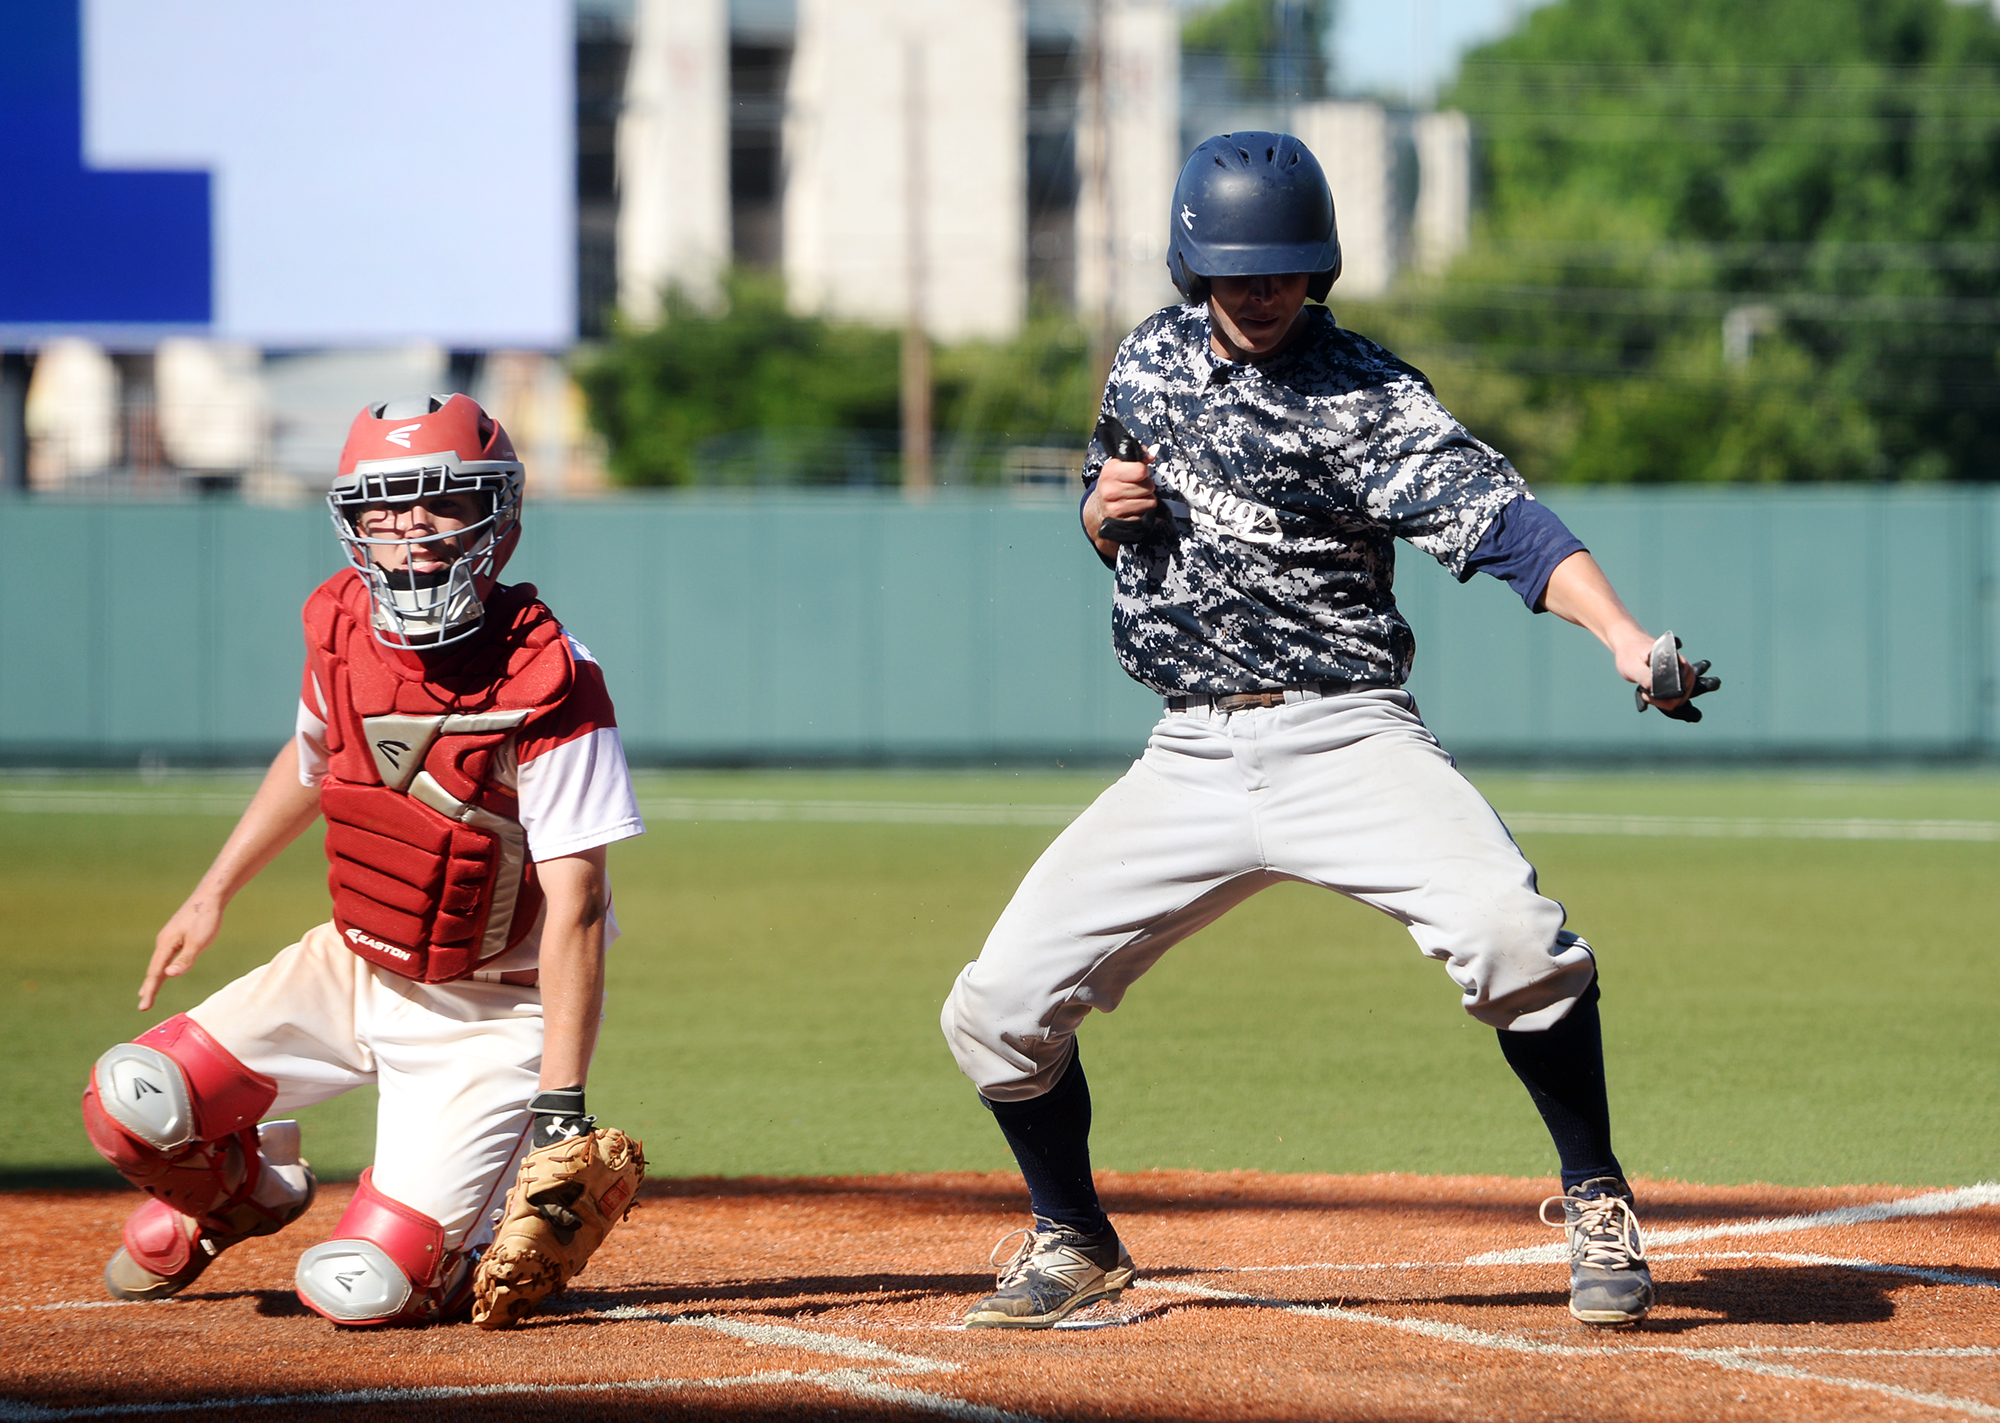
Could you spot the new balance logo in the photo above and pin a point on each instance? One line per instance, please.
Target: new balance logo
(392, 751)
(401, 435)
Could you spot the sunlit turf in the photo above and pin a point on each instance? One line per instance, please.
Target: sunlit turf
(1798, 1011)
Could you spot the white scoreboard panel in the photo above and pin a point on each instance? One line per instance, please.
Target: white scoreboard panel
(376, 171)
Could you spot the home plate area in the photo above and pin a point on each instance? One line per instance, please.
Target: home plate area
(1283, 1297)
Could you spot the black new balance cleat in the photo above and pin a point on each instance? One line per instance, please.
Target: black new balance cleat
(1056, 1272)
(1609, 1284)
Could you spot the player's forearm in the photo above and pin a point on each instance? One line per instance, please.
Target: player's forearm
(572, 966)
(278, 814)
(1093, 520)
(572, 1005)
(1578, 592)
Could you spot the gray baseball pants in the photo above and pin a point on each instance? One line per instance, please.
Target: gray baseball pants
(1351, 792)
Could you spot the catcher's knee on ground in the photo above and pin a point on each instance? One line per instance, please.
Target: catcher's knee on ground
(176, 1113)
(386, 1263)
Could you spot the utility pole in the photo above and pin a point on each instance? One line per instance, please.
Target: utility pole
(462, 370)
(916, 341)
(1102, 323)
(16, 367)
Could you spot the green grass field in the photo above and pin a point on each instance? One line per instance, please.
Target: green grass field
(1796, 1010)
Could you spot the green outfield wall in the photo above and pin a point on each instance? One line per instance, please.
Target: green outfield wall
(1846, 622)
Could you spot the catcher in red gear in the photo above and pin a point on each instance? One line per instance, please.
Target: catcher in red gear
(463, 751)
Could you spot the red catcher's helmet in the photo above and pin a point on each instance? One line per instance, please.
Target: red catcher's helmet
(404, 451)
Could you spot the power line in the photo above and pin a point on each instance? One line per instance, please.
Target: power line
(1683, 71)
(1890, 256)
(1725, 385)
(1647, 301)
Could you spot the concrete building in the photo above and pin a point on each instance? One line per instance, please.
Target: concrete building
(760, 61)
(673, 154)
(1356, 145)
(1128, 154)
(1443, 222)
(905, 164)
(211, 401)
(72, 413)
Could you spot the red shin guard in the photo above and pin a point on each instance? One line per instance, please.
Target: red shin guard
(176, 1113)
(160, 1238)
(386, 1264)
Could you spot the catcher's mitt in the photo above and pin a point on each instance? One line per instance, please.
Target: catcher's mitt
(563, 1204)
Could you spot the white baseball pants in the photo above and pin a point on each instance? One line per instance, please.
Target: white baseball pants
(455, 1065)
(1351, 792)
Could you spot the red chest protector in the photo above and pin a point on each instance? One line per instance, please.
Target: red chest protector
(428, 862)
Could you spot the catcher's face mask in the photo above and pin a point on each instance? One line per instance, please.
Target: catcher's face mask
(427, 507)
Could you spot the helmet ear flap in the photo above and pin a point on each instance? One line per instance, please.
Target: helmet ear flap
(1194, 288)
(1320, 283)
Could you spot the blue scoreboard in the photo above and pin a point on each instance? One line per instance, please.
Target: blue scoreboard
(359, 173)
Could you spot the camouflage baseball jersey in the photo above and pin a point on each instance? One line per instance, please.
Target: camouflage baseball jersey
(1288, 483)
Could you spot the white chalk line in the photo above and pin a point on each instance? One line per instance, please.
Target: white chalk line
(789, 1337)
(89, 802)
(1748, 827)
(1985, 1193)
(84, 801)
(858, 812)
(88, 1304)
(854, 1382)
(1926, 1273)
(1919, 1272)
(862, 1384)
(1725, 1358)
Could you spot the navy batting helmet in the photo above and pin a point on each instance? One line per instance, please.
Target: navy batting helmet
(1252, 205)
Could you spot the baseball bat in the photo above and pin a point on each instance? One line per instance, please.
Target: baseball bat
(1156, 522)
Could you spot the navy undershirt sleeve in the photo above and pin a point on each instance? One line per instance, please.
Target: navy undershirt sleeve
(1522, 547)
(1108, 560)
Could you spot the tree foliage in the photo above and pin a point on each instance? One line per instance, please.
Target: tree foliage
(655, 393)
(1822, 176)
(1036, 389)
(1272, 47)
(755, 369)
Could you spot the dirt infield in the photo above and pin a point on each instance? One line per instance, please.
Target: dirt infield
(1283, 1297)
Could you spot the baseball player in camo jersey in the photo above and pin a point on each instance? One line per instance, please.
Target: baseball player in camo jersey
(1274, 459)
(463, 751)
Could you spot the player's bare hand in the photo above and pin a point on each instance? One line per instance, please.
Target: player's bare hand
(192, 929)
(1125, 488)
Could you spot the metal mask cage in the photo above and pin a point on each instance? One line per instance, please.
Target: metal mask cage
(414, 612)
